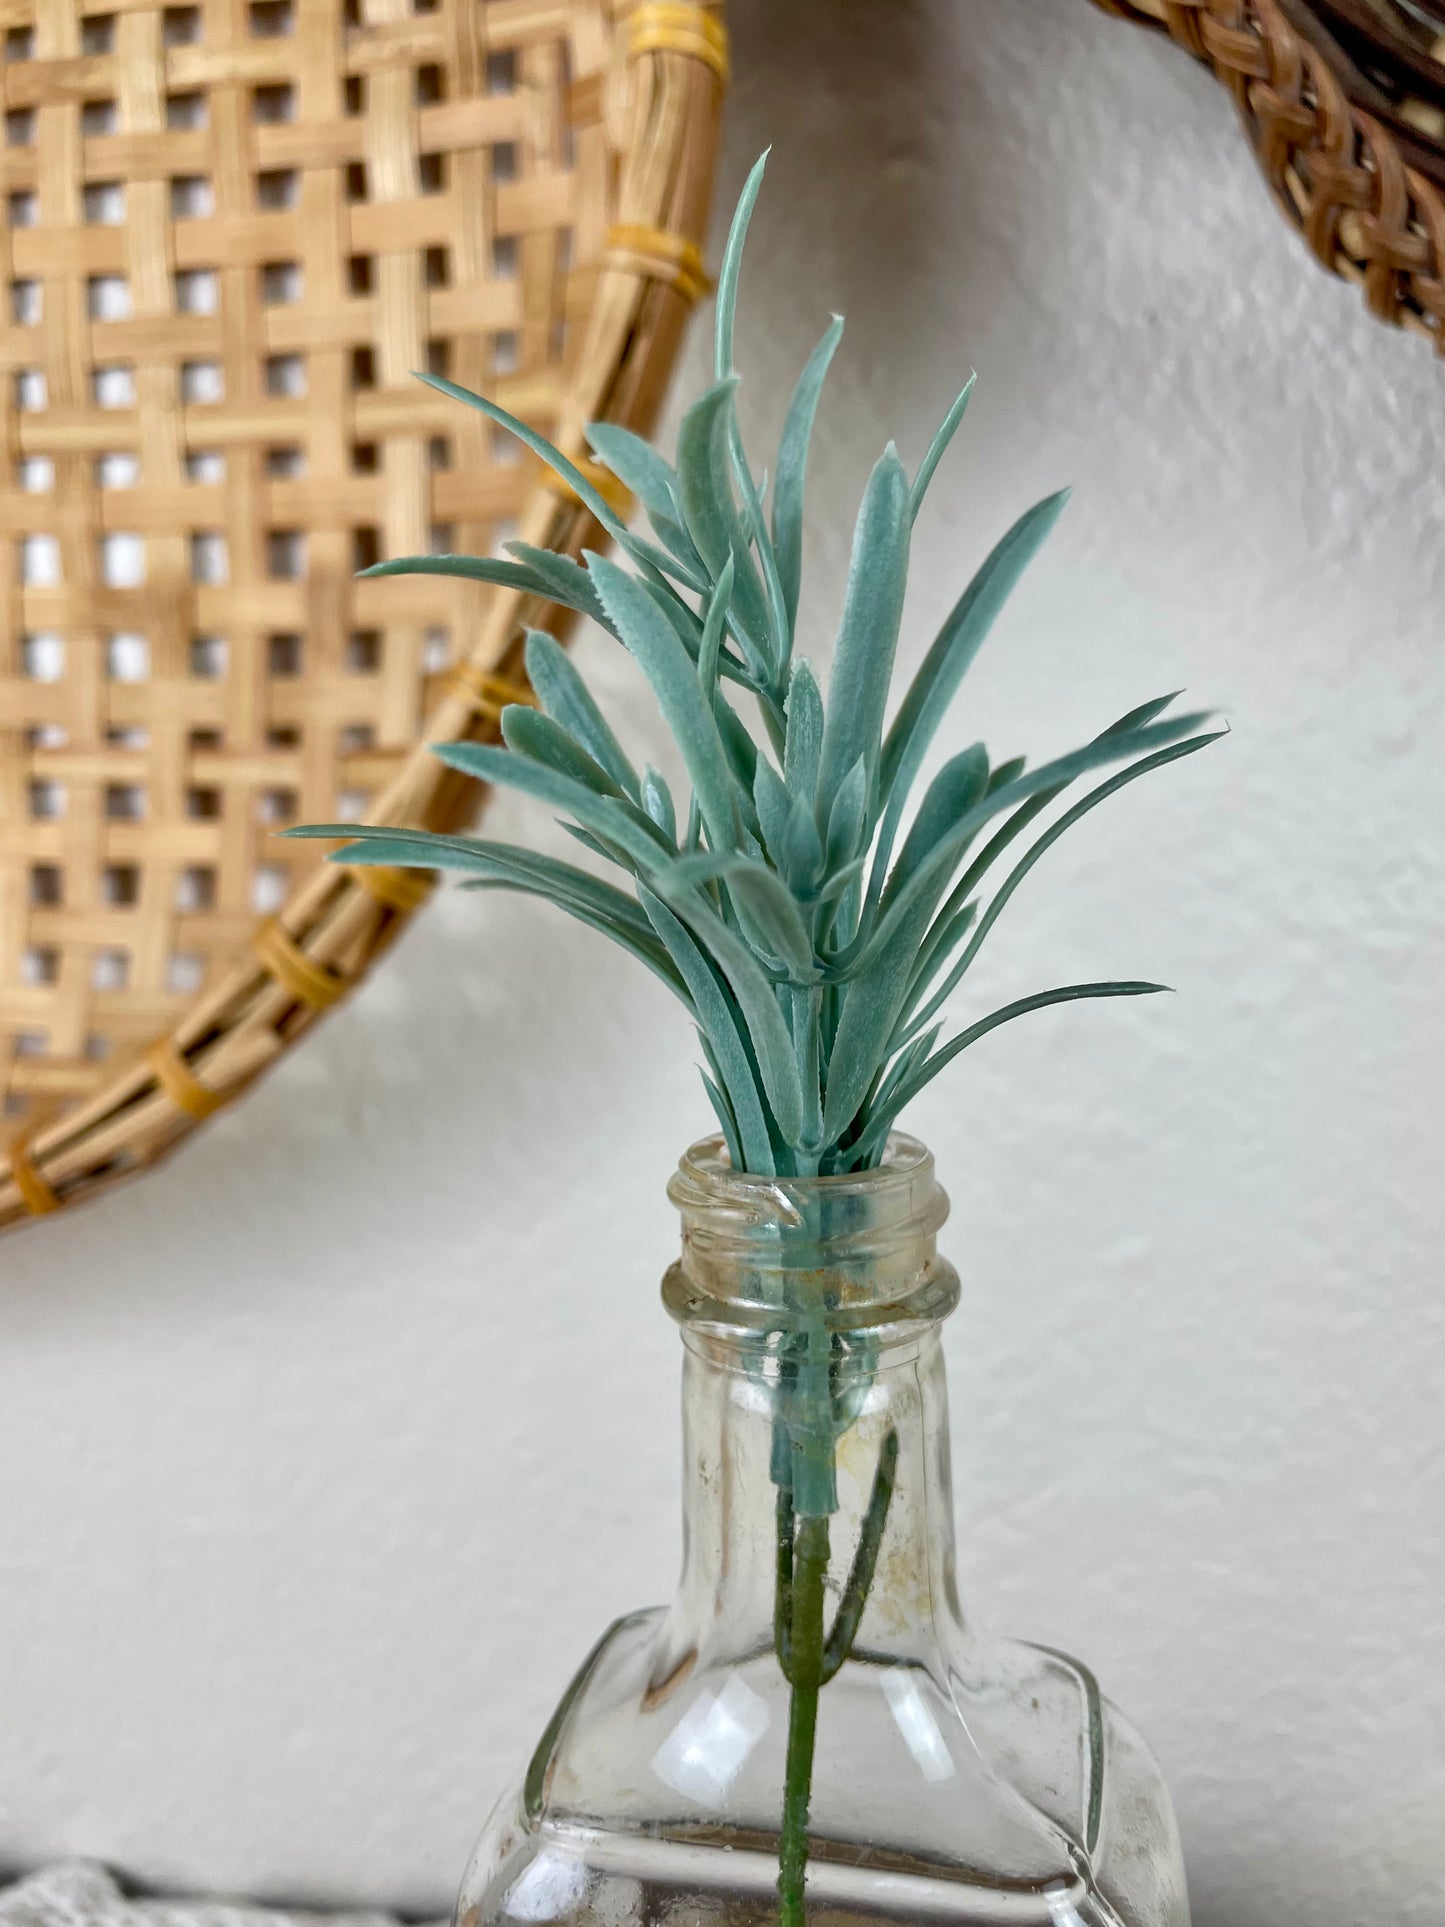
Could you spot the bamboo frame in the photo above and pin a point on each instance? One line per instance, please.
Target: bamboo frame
(609, 112)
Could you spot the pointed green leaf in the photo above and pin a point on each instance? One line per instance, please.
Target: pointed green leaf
(1145, 713)
(597, 845)
(1068, 993)
(960, 784)
(903, 1066)
(723, 1111)
(1022, 817)
(530, 733)
(903, 914)
(689, 716)
(431, 850)
(644, 947)
(612, 818)
(774, 807)
(741, 752)
(590, 496)
(684, 620)
(676, 540)
(566, 698)
(803, 1012)
(846, 819)
(504, 863)
(704, 480)
(564, 581)
(637, 465)
(791, 479)
(943, 668)
(872, 1004)
(1063, 769)
(778, 631)
(770, 916)
(950, 936)
(657, 801)
(1172, 754)
(946, 923)
(789, 831)
(841, 880)
(804, 747)
(868, 633)
(470, 568)
(1007, 772)
(713, 629)
(767, 906)
(726, 1031)
(801, 856)
(732, 262)
(709, 657)
(564, 883)
(539, 445)
(331, 832)
(767, 1030)
(936, 450)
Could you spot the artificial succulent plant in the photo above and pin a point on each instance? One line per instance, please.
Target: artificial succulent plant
(813, 935)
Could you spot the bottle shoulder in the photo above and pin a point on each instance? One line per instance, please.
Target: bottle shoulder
(992, 1769)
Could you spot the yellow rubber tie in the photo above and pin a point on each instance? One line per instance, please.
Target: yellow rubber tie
(488, 694)
(179, 1081)
(679, 29)
(40, 1198)
(669, 258)
(399, 890)
(309, 982)
(617, 498)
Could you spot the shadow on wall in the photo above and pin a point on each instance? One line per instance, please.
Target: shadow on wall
(907, 190)
(864, 195)
(873, 143)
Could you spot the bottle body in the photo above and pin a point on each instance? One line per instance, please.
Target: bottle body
(813, 1689)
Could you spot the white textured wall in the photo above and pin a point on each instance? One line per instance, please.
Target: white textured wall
(325, 1451)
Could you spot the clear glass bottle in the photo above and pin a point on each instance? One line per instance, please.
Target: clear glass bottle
(953, 1778)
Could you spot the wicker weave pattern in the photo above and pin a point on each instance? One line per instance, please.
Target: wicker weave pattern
(234, 231)
(1339, 176)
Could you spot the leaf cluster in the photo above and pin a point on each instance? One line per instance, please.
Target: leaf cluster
(813, 938)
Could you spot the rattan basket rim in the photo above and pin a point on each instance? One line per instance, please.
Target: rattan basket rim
(1359, 190)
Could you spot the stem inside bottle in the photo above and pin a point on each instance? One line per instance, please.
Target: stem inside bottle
(809, 1659)
(823, 1381)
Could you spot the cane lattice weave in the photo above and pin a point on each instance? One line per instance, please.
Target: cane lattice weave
(232, 231)
(1359, 190)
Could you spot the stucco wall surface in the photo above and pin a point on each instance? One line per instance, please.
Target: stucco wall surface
(325, 1452)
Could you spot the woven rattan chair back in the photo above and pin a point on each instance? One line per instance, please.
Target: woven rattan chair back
(234, 230)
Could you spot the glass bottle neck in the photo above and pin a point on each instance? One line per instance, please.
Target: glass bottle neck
(892, 1478)
(815, 1408)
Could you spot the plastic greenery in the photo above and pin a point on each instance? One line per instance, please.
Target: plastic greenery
(812, 941)
(813, 937)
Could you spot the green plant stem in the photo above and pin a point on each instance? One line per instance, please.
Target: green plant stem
(849, 1616)
(783, 1583)
(809, 1658)
(810, 1570)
